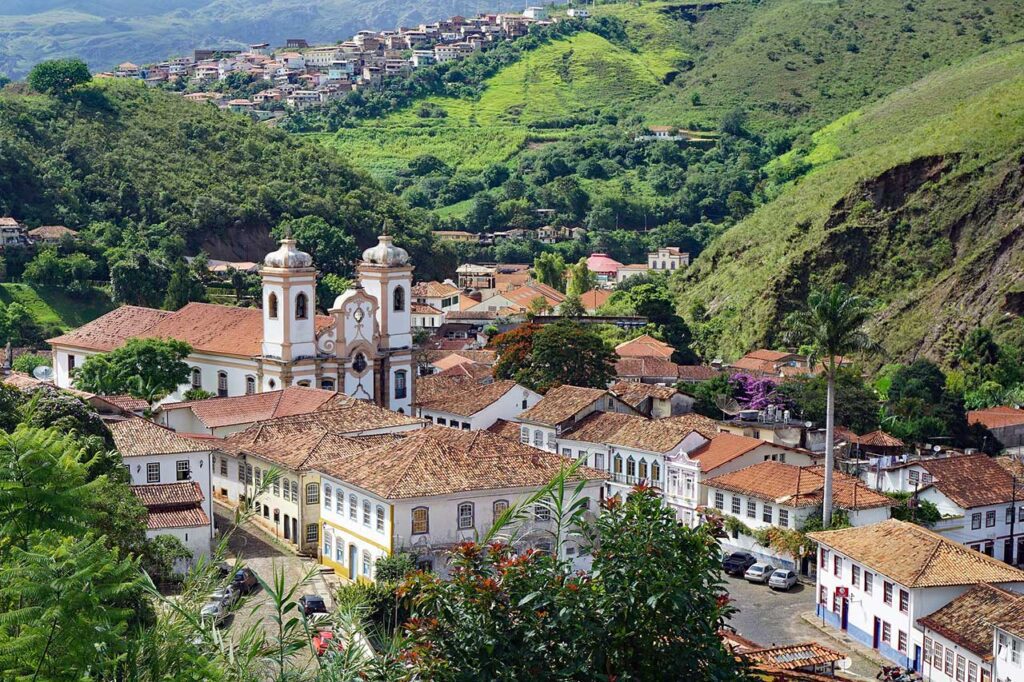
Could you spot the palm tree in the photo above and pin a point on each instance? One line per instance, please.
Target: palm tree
(831, 325)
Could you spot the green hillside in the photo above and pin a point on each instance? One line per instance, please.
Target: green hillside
(51, 307)
(913, 200)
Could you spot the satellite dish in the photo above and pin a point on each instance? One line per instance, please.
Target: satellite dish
(728, 405)
(844, 664)
(43, 373)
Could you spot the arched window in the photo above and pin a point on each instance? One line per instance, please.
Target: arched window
(250, 385)
(301, 305)
(366, 512)
(197, 377)
(420, 520)
(399, 298)
(327, 497)
(353, 507)
(380, 519)
(643, 468)
(630, 467)
(499, 508)
(617, 464)
(400, 385)
(465, 515)
(272, 306)
(312, 493)
(295, 491)
(366, 563)
(222, 384)
(655, 472)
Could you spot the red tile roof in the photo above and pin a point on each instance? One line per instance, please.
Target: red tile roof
(644, 346)
(172, 505)
(792, 657)
(505, 429)
(247, 409)
(601, 262)
(723, 448)
(595, 298)
(561, 403)
(697, 372)
(997, 417)
(138, 437)
(433, 290)
(110, 331)
(463, 396)
(967, 620)
(185, 517)
(971, 480)
(796, 486)
(652, 367)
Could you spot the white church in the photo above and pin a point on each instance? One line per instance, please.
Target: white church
(362, 348)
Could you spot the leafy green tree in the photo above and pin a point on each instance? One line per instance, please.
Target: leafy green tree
(11, 400)
(567, 353)
(394, 567)
(978, 349)
(549, 268)
(58, 76)
(856, 404)
(144, 368)
(513, 349)
(580, 279)
(572, 306)
(832, 326)
(922, 512)
(51, 408)
(707, 394)
(138, 279)
(183, 287)
(28, 362)
(333, 250)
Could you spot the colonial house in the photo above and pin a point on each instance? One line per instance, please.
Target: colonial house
(776, 426)
(171, 476)
(960, 640)
(776, 495)
(646, 370)
(51, 234)
(981, 504)
(470, 402)
(363, 348)
(876, 583)
(628, 270)
(629, 448)
(656, 402)
(644, 346)
(426, 317)
(560, 409)
(430, 490)
(604, 267)
(12, 233)
(1007, 659)
(224, 416)
(1006, 422)
(441, 295)
(668, 258)
(289, 507)
(707, 455)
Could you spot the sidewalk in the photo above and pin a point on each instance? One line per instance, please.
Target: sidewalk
(869, 658)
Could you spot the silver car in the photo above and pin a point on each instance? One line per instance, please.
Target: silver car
(782, 579)
(759, 573)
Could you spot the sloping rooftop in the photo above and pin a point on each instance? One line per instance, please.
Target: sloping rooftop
(724, 447)
(110, 331)
(51, 232)
(172, 505)
(595, 298)
(220, 329)
(505, 429)
(916, 557)
(464, 396)
(433, 289)
(646, 367)
(473, 370)
(644, 346)
(487, 357)
(246, 409)
(561, 403)
(792, 656)
(442, 461)
(423, 309)
(697, 372)
(971, 480)
(997, 417)
(137, 437)
(796, 486)
(602, 262)
(967, 620)
(634, 393)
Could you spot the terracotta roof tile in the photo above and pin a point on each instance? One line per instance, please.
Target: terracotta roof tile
(644, 346)
(51, 232)
(644, 367)
(561, 403)
(424, 309)
(916, 557)
(136, 437)
(633, 393)
(697, 372)
(595, 298)
(505, 429)
(246, 409)
(1011, 618)
(970, 480)
(442, 461)
(184, 517)
(967, 620)
(997, 417)
(792, 656)
(632, 431)
(694, 422)
(796, 486)
(724, 447)
(110, 331)
(125, 403)
(433, 290)
(473, 370)
(487, 357)
(169, 494)
(463, 396)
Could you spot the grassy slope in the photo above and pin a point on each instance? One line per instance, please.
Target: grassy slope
(938, 257)
(558, 80)
(53, 306)
(791, 60)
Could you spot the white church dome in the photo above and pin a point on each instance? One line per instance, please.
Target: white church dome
(288, 257)
(386, 253)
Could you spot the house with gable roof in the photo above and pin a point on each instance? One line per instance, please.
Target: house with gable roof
(470, 401)
(224, 416)
(431, 489)
(877, 582)
(560, 409)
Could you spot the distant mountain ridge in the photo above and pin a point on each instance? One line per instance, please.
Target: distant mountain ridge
(107, 32)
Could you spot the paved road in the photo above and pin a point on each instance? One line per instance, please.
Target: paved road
(770, 617)
(263, 555)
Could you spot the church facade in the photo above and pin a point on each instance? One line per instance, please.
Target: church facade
(363, 347)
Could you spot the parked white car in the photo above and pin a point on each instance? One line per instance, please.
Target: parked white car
(782, 579)
(759, 573)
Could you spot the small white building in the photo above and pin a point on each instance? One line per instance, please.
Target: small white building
(653, 400)
(668, 258)
(876, 582)
(426, 317)
(441, 295)
(1008, 655)
(774, 494)
(224, 416)
(430, 491)
(470, 403)
(577, 13)
(536, 12)
(171, 476)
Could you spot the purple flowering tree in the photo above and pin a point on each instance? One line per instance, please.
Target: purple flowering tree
(756, 393)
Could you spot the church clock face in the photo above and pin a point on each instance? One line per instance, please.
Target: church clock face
(359, 363)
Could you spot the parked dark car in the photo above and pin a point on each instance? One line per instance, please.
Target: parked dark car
(737, 563)
(312, 603)
(245, 580)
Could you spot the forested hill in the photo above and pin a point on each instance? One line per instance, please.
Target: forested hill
(917, 201)
(126, 159)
